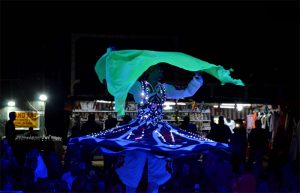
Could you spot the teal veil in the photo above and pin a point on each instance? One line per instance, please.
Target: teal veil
(122, 68)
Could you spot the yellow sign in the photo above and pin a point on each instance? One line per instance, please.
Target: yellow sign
(26, 119)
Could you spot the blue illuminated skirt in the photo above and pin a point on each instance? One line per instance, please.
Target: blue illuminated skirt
(160, 138)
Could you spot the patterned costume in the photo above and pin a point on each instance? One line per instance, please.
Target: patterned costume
(148, 131)
(147, 138)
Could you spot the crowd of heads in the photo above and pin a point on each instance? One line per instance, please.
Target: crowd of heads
(252, 166)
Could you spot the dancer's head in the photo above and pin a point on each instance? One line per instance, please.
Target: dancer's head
(154, 73)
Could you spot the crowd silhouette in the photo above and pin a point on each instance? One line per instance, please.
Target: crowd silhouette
(268, 167)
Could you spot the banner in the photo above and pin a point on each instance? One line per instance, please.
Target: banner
(26, 119)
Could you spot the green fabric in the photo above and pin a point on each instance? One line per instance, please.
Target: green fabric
(122, 68)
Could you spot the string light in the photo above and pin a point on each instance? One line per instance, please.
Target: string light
(149, 121)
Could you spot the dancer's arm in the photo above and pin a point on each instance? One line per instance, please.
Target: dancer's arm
(193, 86)
(135, 90)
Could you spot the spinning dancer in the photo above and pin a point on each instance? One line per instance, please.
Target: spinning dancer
(147, 138)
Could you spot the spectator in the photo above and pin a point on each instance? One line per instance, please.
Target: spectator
(186, 125)
(34, 168)
(54, 166)
(31, 133)
(212, 122)
(75, 132)
(10, 129)
(110, 122)
(258, 141)
(246, 182)
(77, 169)
(90, 126)
(8, 166)
(186, 180)
(220, 133)
(126, 120)
(238, 143)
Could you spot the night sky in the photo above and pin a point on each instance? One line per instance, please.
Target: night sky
(259, 40)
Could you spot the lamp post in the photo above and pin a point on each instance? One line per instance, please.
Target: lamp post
(43, 98)
(11, 103)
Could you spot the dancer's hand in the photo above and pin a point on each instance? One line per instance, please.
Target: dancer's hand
(198, 76)
(198, 73)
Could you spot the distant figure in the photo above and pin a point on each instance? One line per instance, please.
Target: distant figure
(220, 133)
(110, 122)
(75, 132)
(8, 167)
(258, 141)
(90, 126)
(126, 120)
(212, 122)
(31, 133)
(109, 160)
(238, 143)
(34, 168)
(245, 182)
(186, 125)
(185, 180)
(10, 129)
(230, 123)
(53, 165)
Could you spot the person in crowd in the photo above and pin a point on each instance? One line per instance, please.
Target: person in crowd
(9, 167)
(53, 165)
(186, 177)
(220, 133)
(258, 141)
(110, 122)
(34, 169)
(10, 130)
(75, 131)
(212, 123)
(109, 160)
(187, 125)
(126, 120)
(238, 144)
(209, 166)
(148, 141)
(230, 123)
(279, 156)
(90, 126)
(31, 133)
(75, 167)
(246, 182)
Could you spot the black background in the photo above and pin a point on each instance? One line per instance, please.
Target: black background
(258, 39)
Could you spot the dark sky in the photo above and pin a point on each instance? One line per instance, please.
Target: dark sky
(260, 40)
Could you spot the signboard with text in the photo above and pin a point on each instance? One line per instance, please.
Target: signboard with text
(26, 119)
